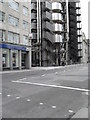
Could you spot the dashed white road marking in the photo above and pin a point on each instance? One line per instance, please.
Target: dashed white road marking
(28, 100)
(8, 95)
(85, 93)
(53, 107)
(43, 75)
(17, 97)
(56, 72)
(41, 103)
(53, 86)
(23, 79)
(0, 93)
(70, 111)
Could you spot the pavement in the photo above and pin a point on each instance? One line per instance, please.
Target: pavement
(53, 92)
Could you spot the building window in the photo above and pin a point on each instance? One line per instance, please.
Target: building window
(2, 16)
(2, 1)
(2, 35)
(13, 5)
(25, 10)
(5, 58)
(25, 40)
(13, 37)
(13, 21)
(25, 25)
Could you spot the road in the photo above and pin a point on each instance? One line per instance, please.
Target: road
(53, 93)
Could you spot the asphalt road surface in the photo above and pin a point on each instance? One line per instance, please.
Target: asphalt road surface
(55, 93)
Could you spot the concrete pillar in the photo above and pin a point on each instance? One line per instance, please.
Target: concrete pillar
(10, 59)
(19, 59)
(0, 59)
(28, 59)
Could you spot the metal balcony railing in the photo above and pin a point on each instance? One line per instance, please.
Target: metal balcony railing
(58, 38)
(79, 26)
(78, 6)
(57, 17)
(79, 40)
(56, 6)
(79, 46)
(33, 16)
(34, 36)
(58, 27)
(33, 26)
(33, 6)
(79, 53)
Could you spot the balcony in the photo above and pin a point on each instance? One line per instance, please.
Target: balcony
(78, 19)
(56, 7)
(48, 6)
(34, 6)
(79, 26)
(78, 12)
(79, 40)
(78, 6)
(79, 46)
(58, 28)
(57, 17)
(33, 26)
(79, 53)
(79, 33)
(33, 16)
(58, 38)
(34, 36)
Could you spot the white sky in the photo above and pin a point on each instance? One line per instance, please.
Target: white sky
(84, 15)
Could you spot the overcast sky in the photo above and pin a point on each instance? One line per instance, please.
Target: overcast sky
(84, 12)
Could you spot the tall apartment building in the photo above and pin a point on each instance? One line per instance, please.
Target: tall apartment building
(15, 50)
(75, 40)
(52, 46)
(42, 26)
(60, 31)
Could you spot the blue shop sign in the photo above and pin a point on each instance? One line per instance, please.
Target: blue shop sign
(13, 47)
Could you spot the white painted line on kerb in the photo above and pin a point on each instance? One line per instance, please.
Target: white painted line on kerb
(53, 86)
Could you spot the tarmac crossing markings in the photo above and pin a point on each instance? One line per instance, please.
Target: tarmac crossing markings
(52, 86)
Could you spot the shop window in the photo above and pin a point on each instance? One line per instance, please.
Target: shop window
(4, 58)
(2, 35)
(14, 59)
(2, 16)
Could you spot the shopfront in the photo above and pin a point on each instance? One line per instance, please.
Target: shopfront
(15, 57)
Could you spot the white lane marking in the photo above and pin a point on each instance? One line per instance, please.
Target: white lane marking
(41, 103)
(17, 97)
(23, 79)
(56, 72)
(70, 111)
(53, 86)
(85, 93)
(0, 93)
(28, 100)
(8, 95)
(43, 75)
(53, 107)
